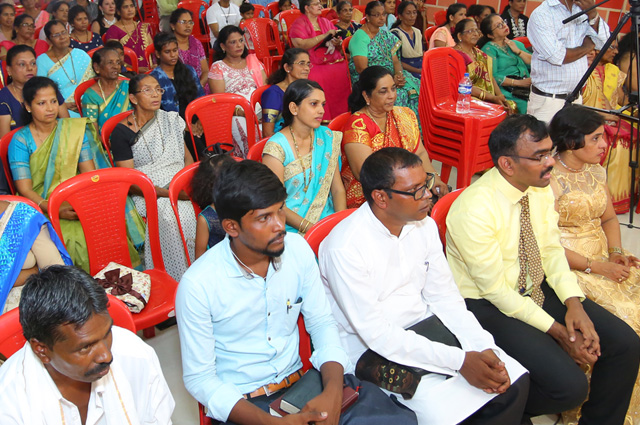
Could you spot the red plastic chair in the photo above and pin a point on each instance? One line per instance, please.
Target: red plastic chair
(36, 34)
(440, 17)
(19, 9)
(151, 15)
(260, 11)
(12, 339)
(256, 96)
(429, 32)
(325, 12)
(182, 182)
(345, 47)
(304, 350)
(107, 129)
(133, 58)
(273, 9)
(255, 153)
(266, 39)
(5, 141)
(99, 199)
(456, 140)
(287, 18)
(361, 8)
(525, 41)
(221, 106)
(149, 55)
(440, 211)
(14, 198)
(194, 6)
(337, 124)
(321, 229)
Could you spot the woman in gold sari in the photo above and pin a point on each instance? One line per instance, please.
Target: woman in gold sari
(603, 90)
(479, 66)
(377, 123)
(47, 151)
(590, 231)
(305, 156)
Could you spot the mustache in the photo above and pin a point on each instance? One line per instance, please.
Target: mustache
(98, 369)
(281, 234)
(548, 170)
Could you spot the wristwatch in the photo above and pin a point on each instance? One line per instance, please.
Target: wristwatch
(594, 20)
(588, 269)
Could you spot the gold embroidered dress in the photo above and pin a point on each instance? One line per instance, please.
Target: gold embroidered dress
(581, 201)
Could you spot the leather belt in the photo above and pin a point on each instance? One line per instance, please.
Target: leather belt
(539, 92)
(272, 388)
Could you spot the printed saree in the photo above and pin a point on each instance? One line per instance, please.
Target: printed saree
(99, 109)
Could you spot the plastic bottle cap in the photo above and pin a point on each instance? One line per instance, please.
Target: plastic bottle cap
(466, 74)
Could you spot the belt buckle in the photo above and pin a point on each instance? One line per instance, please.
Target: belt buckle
(267, 391)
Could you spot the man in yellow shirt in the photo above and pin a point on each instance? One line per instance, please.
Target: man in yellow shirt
(503, 246)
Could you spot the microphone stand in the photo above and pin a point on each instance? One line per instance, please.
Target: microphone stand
(633, 107)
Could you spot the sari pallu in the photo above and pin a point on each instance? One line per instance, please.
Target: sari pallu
(379, 51)
(601, 91)
(71, 70)
(329, 69)
(315, 168)
(56, 161)
(98, 109)
(402, 131)
(137, 41)
(20, 225)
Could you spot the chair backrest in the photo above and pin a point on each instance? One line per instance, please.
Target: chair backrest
(525, 41)
(264, 35)
(338, 122)
(148, 55)
(107, 129)
(5, 141)
(260, 11)
(99, 198)
(273, 9)
(255, 153)
(92, 51)
(221, 106)
(440, 211)
(442, 70)
(79, 92)
(151, 15)
(429, 32)
(288, 17)
(14, 198)
(440, 17)
(360, 7)
(325, 12)
(182, 182)
(321, 229)
(256, 96)
(36, 34)
(12, 339)
(133, 58)
(345, 46)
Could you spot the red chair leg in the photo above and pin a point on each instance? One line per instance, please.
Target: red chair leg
(445, 172)
(149, 332)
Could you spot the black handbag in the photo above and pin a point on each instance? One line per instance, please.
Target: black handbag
(398, 378)
(519, 92)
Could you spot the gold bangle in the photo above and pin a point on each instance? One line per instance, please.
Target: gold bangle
(482, 94)
(41, 201)
(615, 250)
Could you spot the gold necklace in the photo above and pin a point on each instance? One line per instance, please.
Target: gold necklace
(573, 170)
(71, 80)
(304, 168)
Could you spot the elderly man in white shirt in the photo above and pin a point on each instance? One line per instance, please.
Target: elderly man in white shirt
(560, 51)
(384, 270)
(76, 368)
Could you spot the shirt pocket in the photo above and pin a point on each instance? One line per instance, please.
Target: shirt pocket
(291, 319)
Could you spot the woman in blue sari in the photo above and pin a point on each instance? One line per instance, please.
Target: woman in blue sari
(295, 65)
(67, 67)
(109, 96)
(306, 157)
(28, 243)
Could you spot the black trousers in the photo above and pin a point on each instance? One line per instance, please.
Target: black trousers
(505, 409)
(557, 382)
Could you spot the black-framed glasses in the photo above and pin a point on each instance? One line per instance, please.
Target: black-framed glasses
(541, 158)
(420, 192)
(500, 25)
(148, 91)
(26, 25)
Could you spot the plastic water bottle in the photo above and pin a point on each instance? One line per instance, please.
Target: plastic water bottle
(464, 95)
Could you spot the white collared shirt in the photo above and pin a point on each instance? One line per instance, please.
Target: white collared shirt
(134, 391)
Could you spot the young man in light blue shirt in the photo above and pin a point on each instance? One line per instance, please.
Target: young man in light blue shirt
(237, 308)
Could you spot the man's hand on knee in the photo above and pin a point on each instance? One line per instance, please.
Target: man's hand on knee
(484, 370)
(577, 319)
(574, 348)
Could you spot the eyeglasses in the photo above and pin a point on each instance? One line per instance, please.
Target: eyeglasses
(613, 47)
(25, 25)
(471, 31)
(304, 64)
(23, 65)
(185, 22)
(317, 3)
(501, 25)
(541, 158)
(148, 91)
(59, 34)
(420, 192)
(377, 15)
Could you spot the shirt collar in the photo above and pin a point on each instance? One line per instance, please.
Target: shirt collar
(378, 226)
(231, 267)
(512, 193)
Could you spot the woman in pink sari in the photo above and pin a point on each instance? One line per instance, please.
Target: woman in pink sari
(131, 34)
(317, 35)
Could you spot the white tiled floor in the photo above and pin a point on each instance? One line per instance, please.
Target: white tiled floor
(166, 343)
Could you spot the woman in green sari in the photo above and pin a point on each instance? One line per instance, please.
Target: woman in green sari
(373, 45)
(109, 96)
(49, 151)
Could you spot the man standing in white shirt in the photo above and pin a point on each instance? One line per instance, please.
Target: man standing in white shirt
(76, 368)
(560, 50)
(385, 270)
(219, 15)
